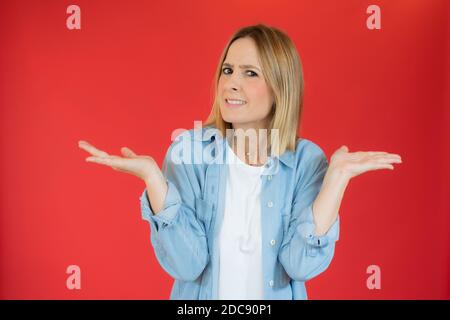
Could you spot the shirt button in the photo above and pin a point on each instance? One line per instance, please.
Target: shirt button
(269, 177)
(270, 204)
(272, 242)
(271, 283)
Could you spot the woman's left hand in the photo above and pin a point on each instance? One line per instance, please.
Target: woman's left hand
(351, 164)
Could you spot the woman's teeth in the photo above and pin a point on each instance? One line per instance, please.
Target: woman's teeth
(235, 101)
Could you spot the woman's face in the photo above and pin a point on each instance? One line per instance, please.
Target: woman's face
(241, 79)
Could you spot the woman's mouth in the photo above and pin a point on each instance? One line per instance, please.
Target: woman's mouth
(235, 103)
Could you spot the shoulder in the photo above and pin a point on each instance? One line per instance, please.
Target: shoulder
(305, 147)
(188, 145)
(308, 154)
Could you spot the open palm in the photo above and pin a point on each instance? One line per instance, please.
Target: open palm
(356, 163)
(140, 166)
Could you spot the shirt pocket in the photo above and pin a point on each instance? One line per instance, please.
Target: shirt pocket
(204, 212)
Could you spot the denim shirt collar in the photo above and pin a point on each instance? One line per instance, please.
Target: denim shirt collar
(210, 134)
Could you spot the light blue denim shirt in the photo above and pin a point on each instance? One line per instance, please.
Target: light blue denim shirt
(184, 234)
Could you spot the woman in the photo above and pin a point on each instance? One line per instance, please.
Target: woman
(252, 226)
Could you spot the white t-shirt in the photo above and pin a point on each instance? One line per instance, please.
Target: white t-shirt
(241, 274)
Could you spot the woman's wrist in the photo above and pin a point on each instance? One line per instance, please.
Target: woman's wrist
(337, 176)
(153, 173)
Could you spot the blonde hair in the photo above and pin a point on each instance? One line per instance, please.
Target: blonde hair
(282, 70)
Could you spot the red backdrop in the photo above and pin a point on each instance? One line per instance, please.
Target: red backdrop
(137, 70)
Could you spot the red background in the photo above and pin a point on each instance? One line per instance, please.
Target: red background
(137, 70)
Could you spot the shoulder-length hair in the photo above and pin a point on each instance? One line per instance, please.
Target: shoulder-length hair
(282, 70)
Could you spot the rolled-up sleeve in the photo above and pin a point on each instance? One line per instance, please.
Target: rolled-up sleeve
(303, 254)
(177, 236)
(171, 207)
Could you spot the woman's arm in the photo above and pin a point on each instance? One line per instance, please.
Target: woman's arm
(169, 204)
(302, 254)
(345, 165)
(308, 245)
(156, 186)
(328, 201)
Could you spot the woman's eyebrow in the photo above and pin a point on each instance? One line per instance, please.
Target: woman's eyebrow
(242, 66)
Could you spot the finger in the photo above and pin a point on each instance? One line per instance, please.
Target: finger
(128, 152)
(376, 153)
(395, 155)
(382, 153)
(109, 161)
(384, 166)
(379, 166)
(388, 158)
(91, 149)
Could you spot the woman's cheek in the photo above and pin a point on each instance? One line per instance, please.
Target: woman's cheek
(261, 93)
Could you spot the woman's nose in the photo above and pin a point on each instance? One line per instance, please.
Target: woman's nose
(233, 83)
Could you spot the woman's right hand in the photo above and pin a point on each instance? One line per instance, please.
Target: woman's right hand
(140, 166)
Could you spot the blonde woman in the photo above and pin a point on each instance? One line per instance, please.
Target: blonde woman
(258, 215)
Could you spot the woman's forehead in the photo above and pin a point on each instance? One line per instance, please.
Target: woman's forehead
(242, 52)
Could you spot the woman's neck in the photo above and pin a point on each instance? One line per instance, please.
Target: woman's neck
(251, 148)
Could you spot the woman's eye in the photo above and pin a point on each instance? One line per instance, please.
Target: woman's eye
(249, 72)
